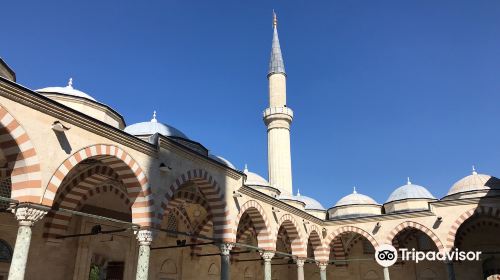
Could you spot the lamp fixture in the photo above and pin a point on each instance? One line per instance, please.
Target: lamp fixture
(237, 194)
(59, 127)
(164, 167)
(275, 210)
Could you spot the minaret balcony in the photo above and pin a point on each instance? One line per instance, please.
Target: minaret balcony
(278, 117)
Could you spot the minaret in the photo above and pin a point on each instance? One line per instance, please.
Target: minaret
(278, 118)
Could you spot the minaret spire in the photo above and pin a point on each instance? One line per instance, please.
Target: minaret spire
(278, 119)
(276, 64)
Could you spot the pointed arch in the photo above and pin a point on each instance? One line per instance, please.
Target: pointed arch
(260, 222)
(409, 224)
(292, 228)
(478, 210)
(320, 254)
(129, 172)
(23, 164)
(213, 194)
(350, 229)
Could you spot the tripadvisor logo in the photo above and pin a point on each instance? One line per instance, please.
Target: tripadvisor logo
(386, 255)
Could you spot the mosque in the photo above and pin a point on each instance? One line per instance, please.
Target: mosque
(85, 196)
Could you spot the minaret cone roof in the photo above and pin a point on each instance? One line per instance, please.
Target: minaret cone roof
(276, 64)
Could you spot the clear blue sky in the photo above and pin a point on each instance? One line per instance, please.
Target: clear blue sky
(381, 89)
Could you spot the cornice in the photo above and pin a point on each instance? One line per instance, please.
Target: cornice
(279, 204)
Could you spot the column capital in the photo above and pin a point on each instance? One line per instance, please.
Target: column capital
(300, 262)
(28, 215)
(225, 248)
(267, 256)
(322, 266)
(144, 237)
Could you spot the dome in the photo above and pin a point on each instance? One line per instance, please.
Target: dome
(354, 199)
(222, 160)
(254, 179)
(67, 90)
(410, 191)
(152, 127)
(475, 182)
(310, 203)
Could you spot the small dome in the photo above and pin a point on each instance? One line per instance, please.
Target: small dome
(152, 127)
(67, 90)
(410, 191)
(254, 179)
(354, 199)
(222, 160)
(310, 203)
(475, 182)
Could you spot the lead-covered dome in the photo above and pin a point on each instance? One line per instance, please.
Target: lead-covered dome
(67, 90)
(410, 191)
(222, 160)
(354, 205)
(474, 184)
(311, 203)
(83, 103)
(407, 198)
(355, 198)
(152, 127)
(258, 182)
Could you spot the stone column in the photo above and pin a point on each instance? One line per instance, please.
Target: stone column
(267, 256)
(27, 216)
(300, 269)
(386, 273)
(450, 269)
(322, 270)
(144, 237)
(225, 261)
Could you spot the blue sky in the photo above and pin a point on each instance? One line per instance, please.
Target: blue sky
(381, 90)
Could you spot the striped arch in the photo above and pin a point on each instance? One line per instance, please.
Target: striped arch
(58, 222)
(213, 194)
(350, 229)
(259, 220)
(203, 229)
(128, 170)
(320, 253)
(185, 196)
(481, 210)
(298, 245)
(23, 164)
(408, 224)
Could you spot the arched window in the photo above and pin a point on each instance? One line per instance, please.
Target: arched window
(5, 251)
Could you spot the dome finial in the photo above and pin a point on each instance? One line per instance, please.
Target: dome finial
(246, 168)
(70, 83)
(154, 117)
(354, 190)
(408, 182)
(275, 20)
(298, 192)
(474, 172)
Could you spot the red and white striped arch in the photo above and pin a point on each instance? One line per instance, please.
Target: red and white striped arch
(489, 211)
(320, 254)
(129, 172)
(22, 160)
(185, 196)
(298, 244)
(58, 222)
(350, 229)
(259, 221)
(213, 195)
(409, 224)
